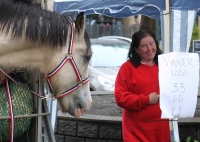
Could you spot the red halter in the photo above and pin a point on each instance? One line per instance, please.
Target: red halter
(71, 59)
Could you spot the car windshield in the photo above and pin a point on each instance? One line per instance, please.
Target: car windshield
(109, 53)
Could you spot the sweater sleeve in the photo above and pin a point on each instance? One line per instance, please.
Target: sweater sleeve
(124, 96)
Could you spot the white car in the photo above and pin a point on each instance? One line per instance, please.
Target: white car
(109, 53)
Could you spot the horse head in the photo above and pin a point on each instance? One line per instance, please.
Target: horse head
(55, 44)
(70, 78)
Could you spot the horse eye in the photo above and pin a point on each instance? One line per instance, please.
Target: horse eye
(87, 58)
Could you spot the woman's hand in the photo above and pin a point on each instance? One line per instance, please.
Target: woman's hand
(153, 97)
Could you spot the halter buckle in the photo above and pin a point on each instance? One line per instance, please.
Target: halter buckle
(69, 55)
(44, 97)
(81, 82)
(53, 97)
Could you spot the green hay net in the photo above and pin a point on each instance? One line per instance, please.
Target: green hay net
(22, 101)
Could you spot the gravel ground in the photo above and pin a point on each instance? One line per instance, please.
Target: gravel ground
(104, 105)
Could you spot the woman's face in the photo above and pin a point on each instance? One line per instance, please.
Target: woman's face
(147, 49)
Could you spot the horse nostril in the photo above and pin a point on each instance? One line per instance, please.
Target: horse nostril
(80, 102)
(79, 106)
(71, 111)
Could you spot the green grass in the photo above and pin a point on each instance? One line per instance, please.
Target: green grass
(189, 140)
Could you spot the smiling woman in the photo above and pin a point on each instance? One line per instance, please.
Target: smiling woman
(137, 92)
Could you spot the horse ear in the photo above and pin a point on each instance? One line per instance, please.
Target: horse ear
(80, 23)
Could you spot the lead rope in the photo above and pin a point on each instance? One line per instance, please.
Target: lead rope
(11, 110)
(10, 101)
(8, 76)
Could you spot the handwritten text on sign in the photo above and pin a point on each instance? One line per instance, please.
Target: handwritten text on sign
(178, 80)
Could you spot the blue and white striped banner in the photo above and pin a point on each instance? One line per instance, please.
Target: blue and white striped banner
(181, 27)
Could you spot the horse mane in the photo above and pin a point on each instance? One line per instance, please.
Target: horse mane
(19, 16)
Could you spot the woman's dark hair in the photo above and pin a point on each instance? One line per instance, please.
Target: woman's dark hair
(136, 38)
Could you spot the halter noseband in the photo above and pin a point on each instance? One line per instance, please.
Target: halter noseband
(71, 59)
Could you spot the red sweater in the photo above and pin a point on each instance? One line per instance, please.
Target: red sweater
(141, 121)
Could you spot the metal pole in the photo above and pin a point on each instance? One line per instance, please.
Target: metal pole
(167, 38)
(25, 116)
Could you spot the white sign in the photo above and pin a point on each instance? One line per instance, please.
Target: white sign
(178, 81)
